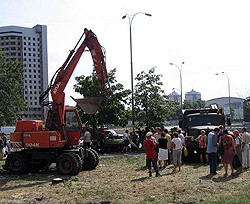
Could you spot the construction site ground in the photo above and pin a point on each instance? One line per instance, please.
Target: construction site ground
(123, 178)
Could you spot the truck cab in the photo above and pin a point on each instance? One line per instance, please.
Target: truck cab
(193, 121)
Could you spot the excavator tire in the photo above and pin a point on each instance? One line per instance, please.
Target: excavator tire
(90, 160)
(68, 164)
(80, 161)
(16, 163)
(97, 157)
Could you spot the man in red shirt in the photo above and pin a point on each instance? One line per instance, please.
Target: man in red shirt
(151, 155)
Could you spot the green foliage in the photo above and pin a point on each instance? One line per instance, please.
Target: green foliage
(114, 111)
(247, 111)
(152, 106)
(11, 101)
(198, 104)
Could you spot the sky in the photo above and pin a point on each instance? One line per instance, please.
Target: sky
(210, 36)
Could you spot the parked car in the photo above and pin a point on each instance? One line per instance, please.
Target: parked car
(111, 134)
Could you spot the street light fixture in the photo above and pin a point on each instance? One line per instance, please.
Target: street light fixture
(228, 83)
(180, 69)
(131, 18)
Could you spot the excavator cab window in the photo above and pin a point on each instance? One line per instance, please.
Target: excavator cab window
(71, 122)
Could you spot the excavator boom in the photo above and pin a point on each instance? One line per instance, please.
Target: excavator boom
(65, 72)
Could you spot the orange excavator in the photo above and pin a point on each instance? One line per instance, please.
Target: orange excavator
(36, 146)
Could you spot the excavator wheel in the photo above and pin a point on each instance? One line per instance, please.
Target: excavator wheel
(17, 163)
(90, 160)
(68, 164)
(80, 161)
(96, 156)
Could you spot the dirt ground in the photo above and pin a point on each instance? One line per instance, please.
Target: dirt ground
(124, 179)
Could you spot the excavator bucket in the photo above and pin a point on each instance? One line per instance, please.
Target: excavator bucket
(89, 105)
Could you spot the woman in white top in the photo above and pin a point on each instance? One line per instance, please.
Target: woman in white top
(177, 145)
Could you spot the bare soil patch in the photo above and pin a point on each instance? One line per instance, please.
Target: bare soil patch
(124, 179)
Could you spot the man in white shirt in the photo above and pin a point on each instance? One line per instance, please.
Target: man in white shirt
(126, 141)
(87, 139)
(177, 145)
(245, 148)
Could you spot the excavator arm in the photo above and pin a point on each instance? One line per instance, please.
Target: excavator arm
(64, 73)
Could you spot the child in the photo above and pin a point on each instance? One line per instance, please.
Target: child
(151, 156)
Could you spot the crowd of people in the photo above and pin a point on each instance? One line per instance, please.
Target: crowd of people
(162, 148)
(232, 147)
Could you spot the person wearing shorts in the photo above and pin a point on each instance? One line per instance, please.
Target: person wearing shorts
(163, 151)
(177, 145)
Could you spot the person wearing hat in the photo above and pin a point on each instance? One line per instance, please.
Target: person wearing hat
(212, 150)
(151, 155)
(229, 151)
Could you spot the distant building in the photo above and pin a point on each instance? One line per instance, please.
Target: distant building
(236, 104)
(29, 45)
(192, 95)
(174, 96)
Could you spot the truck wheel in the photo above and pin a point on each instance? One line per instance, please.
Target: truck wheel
(79, 160)
(96, 156)
(17, 163)
(90, 160)
(67, 164)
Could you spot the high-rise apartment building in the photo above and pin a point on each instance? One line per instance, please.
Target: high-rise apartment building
(29, 45)
(192, 95)
(174, 96)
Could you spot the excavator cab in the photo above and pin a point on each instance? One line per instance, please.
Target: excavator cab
(73, 126)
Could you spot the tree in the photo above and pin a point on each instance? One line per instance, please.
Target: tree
(152, 106)
(198, 104)
(114, 110)
(11, 101)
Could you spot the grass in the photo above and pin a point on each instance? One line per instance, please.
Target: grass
(124, 179)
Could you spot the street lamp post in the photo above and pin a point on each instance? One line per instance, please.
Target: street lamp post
(180, 69)
(228, 84)
(131, 18)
